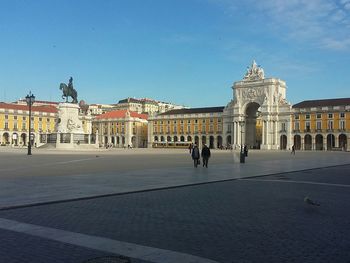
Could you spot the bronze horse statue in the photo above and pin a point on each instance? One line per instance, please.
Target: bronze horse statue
(69, 91)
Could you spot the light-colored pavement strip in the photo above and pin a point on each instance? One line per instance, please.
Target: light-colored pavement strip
(103, 244)
(294, 182)
(40, 186)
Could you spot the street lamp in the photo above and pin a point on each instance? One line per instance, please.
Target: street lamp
(241, 155)
(30, 98)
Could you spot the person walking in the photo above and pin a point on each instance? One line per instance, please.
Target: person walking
(293, 150)
(190, 147)
(195, 155)
(205, 155)
(245, 150)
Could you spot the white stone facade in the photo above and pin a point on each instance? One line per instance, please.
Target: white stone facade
(257, 96)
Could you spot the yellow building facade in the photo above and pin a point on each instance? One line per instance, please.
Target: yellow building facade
(321, 124)
(121, 128)
(14, 124)
(181, 127)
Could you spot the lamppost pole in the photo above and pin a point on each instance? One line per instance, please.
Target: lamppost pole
(30, 98)
(241, 155)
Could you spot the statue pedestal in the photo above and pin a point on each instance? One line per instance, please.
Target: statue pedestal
(68, 119)
(70, 132)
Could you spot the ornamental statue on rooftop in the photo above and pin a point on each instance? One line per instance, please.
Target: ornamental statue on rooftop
(255, 72)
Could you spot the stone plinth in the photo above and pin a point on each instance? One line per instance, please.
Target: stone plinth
(68, 119)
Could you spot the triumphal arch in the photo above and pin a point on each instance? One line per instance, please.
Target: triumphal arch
(259, 114)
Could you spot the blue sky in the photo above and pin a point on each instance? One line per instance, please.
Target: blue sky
(184, 51)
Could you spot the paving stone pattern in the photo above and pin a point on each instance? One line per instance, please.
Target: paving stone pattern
(234, 221)
(16, 247)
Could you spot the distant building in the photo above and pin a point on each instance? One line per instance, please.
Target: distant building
(321, 124)
(195, 125)
(97, 109)
(37, 103)
(258, 116)
(145, 105)
(14, 123)
(121, 128)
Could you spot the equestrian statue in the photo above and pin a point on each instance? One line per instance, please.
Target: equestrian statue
(69, 91)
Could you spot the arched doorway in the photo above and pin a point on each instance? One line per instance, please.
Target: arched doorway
(283, 142)
(15, 139)
(175, 139)
(229, 140)
(182, 138)
(211, 142)
(24, 138)
(297, 142)
(32, 139)
(162, 138)
(343, 141)
(113, 140)
(319, 142)
(106, 140)
(5, 138)
(155, 138)
(253, 136)
(123, 140)
(196, 140)
(204, 140)
(168, 139)
(219, 142)
(330, 142)
(118, 140)
(307, 142)
(189, 138)
(133, 142)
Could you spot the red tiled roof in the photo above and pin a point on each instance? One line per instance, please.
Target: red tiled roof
(322, 103)
(43, 108)
(43, 101)
(121, 114)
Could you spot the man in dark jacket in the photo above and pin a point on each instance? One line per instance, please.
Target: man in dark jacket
(205, 155)
(195, 155)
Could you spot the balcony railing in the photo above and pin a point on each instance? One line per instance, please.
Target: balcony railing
(307, 130)
(296, 130)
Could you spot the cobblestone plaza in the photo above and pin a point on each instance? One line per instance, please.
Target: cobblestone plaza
(152, 206)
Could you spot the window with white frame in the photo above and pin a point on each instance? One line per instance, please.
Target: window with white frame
(219, 127)
(318, 125)
(307, 126)
(330, 125)
(296, 126)
(342, 125)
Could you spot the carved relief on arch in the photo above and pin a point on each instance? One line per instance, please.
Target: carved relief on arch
(253, 95)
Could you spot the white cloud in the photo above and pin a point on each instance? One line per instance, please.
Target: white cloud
(310, 21)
